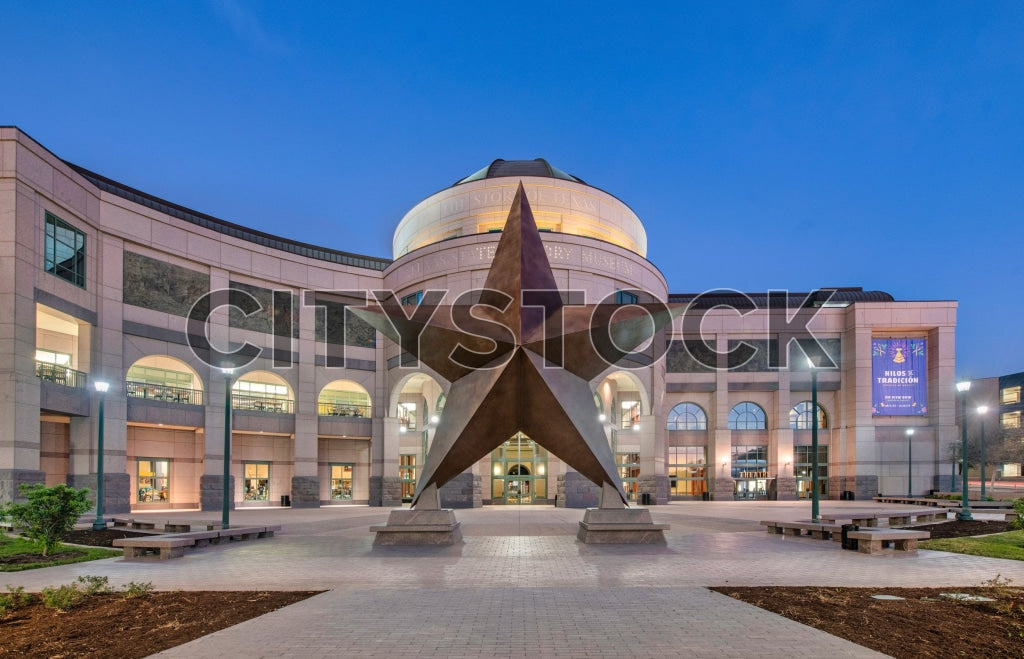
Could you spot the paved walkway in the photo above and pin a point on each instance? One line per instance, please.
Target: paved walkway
(521, 585)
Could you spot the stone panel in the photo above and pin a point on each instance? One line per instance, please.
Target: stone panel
(463, 491)
(385, 491)
(305, 492)
(161, 286)
(577, 491)
(116, 491)
(211, 492)
(11, 479)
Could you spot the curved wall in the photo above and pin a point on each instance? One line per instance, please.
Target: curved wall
(558, 205)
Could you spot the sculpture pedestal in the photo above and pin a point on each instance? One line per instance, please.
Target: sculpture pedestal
(424, 528)
(620, 526)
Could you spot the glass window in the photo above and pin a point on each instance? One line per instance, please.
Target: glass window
(154, 480)
(749, 461)
(412, 299)
(802, 466)
(1009, 395)
(341, 482)
(334, 402)
(1010, 419)
(629, 413)
(407, 474)
(687, 416)
(64, 251)
(261, 396)
(629, 472)
(687, 471)
(800, 416)
(407, 415)
(747, 416)
(256, 482)
(51, 357)
(625, 297)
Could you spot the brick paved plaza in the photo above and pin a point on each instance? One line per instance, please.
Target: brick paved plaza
(521, 585)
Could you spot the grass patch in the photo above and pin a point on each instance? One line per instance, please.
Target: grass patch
(18, 547)
(1001, 545)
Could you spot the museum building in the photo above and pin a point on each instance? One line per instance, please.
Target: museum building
(100, 281)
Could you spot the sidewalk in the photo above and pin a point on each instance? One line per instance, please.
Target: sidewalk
(521, 585)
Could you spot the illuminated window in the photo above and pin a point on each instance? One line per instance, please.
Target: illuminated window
(154, 480)
(50, 357)
(64, 251)
(687, 416)
(407, 474)
(747, 416)
(407, 415)
(1011, 395)
(256, 482)
(800, 416)
(687, 471)
(1010, 419)
(341, 482)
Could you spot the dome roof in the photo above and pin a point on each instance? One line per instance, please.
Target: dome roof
(535, 167)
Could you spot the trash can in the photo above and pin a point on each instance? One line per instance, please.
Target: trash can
(705, 496)
(645, 498)
(286, 500)
(846, 495)
(848, 542)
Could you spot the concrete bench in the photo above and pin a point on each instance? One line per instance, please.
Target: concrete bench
(892, 517)
(137, 524)
(184, 526)
(873, 541)
(816, 530)
(173, 545)
(164, 547)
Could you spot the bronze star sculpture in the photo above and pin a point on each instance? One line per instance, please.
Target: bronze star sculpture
(524, 366)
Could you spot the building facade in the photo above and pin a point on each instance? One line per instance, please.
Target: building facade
(105, 282)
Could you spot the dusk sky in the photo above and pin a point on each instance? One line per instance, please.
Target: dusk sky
(763, 144)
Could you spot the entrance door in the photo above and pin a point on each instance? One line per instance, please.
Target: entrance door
(519, 472)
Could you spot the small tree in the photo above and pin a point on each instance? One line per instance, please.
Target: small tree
(49, 513)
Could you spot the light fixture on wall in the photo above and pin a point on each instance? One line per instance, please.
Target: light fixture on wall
(434, 419)
(602, 417)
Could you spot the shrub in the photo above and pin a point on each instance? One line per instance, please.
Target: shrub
(63, 597)
(1018, 507)
(133, 589)
(13, 599)
(49, 513)
(93, 585)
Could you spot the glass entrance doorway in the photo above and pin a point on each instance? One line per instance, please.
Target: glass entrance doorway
(519, 472)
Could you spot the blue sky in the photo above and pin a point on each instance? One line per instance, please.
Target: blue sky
(763, 144)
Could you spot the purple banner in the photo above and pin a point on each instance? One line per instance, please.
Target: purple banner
(899, 377)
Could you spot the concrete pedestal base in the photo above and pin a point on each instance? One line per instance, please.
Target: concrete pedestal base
(620, 526)
(419, 528)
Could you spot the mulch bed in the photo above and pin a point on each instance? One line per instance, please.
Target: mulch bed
(959, 529)
(114, 626)
(104, 538)
(924, 624)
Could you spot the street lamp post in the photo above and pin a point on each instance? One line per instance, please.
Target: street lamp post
(100, 524)
(982, 409)
(815, 515)
(226, 503)
(965, 510)
(910, 461)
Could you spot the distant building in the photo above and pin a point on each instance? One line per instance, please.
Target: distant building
(1001, 398)
(99, 279)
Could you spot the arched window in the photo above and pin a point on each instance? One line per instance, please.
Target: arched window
(800, 416)
(687, 416)
(747, 416)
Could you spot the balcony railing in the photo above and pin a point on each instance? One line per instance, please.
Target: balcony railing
(62, 375)
(328, 408)
(261, 404)
(180, 395)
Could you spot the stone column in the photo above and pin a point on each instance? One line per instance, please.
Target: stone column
(305, 473)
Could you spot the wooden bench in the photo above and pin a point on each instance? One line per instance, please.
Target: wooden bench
(173, 545)
(874, 541)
